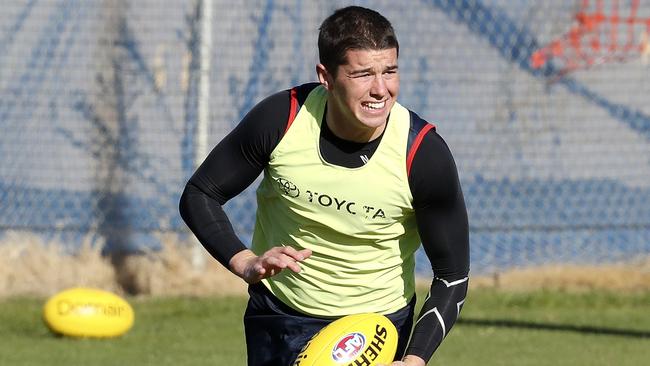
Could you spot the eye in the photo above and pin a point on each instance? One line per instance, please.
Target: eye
(389, 74)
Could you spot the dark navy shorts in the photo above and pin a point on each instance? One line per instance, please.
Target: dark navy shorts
(275, 333)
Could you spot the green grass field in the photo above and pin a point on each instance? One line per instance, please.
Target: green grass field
(496, 328)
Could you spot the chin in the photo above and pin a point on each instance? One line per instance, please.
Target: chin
(374, 121)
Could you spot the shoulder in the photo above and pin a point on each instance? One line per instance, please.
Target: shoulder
(433, 156)
(282, 106)
(301, 92)
(273, 114)
(282, 100)
(433, 144)
(432, 171)
(297, 97)
(424, 143)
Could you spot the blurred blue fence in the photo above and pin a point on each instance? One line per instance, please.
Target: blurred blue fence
(99, 99)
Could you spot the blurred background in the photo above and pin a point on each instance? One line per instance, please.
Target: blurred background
(107, 107)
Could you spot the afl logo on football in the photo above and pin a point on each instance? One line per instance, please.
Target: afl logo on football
(348, 347)
(287, 187)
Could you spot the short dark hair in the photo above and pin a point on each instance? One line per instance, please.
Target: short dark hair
(353, 28)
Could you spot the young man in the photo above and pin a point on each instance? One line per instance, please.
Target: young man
(353, 183)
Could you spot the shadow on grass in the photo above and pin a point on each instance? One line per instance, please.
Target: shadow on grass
(506, 323)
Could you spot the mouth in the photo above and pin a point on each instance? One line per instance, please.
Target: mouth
(373, 106)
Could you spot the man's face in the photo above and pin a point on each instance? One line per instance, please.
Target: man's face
(362, 93)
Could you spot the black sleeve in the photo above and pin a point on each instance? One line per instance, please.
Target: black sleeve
(444, 230)
(229, 169)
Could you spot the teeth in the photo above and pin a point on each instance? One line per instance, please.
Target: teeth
(379, 105)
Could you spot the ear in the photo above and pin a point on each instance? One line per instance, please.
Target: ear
(324, 77)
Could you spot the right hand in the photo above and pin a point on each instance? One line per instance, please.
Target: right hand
(253, 268)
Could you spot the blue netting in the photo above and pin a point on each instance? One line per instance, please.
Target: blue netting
(98, 114)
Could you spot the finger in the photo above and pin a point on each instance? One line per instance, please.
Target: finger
(293, 253)
(259, 269)
(275, 261)
(294, 266)
(306, 253)
(285, 261)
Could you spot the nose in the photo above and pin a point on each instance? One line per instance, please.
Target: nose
(378, 88)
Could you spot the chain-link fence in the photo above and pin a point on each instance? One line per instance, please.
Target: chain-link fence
(101, 105)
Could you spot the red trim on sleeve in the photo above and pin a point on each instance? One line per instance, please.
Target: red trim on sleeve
(293, 109)
(415, 146)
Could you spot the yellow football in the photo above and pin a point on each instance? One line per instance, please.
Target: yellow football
(360, 339)
(88, 312)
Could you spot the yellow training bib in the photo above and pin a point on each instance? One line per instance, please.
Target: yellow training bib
(358, 222)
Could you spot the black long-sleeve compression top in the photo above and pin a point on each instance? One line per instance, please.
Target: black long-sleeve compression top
(437, 200)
